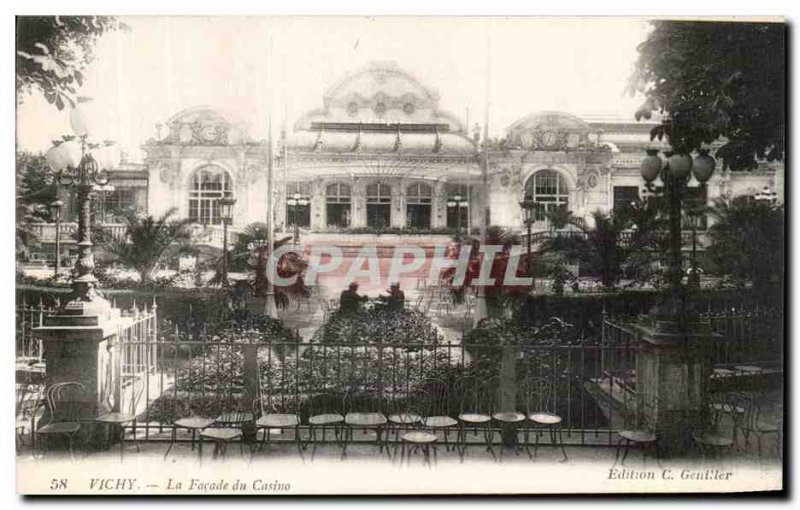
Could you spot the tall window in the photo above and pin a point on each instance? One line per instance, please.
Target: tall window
(458, 216)
(209, 185)
(379, 205)
(337, 203)
(549, 192)
(419, 197)
(623, 196)
(298, 213)
(115, 205)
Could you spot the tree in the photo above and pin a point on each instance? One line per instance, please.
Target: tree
(713, 81)
(53, 51)
(147, 241)
(497, 295)
(243, 257)
(35, 191)
(610, 245)
(747, 242)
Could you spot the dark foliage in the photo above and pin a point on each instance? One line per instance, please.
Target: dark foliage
(716, 80)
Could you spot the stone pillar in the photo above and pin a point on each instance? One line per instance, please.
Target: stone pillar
(672, 375)
(398, 205)
(80, 347)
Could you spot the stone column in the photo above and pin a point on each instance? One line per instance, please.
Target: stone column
(81, 348)
(672, 375)
(398, 205)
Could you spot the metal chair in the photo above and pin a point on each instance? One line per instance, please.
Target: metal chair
(234, 411)
(476, 406)
(363, 410)
(759, 425)
(641, 434)
(539, 394)
(733, 406)
(405, 411)
(509, 420)
(437, 408)
(64, 403)
(194, 424)
(276, 411)
(324, 414)
(29, 400)
(129, 389)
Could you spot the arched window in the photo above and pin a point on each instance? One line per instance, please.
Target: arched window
(379, 205)
(338, 200)
(549, 191)
(419, 197)
(209, 185)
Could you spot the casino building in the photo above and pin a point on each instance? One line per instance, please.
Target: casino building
(379, 155)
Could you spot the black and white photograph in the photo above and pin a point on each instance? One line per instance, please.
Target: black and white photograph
(399, 255)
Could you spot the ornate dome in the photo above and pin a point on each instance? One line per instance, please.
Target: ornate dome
(381, 93)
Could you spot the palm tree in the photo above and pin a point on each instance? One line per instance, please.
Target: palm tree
(499, 297)
(148, 240)
(612, 243)
(245, 257)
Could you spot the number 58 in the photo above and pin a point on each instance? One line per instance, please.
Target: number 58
(58, 484)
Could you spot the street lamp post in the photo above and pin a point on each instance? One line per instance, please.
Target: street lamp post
(226, 211)
(55, 207)
(458, 202)
(298, 200)
(675, 173)
(527, 204)
(694, 276)
(83, 166)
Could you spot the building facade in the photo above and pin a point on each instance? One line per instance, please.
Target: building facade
(380, 154)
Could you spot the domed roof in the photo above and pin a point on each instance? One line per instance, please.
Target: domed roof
(381, 93)
(550, 120)
(379, 77)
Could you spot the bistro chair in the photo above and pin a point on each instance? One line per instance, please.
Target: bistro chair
(417, 440)
(711, 444)
(193, 424)
(130, 392)
(437, 408)
(29, 400)
(64, 402)
(405, 410)
(277, 411)
(363, 410)
(325, 413)
(234, 412)
(509, 421)
(733, 406)
(538, 394)
(640, 434)
(476, 406)
(760, 424)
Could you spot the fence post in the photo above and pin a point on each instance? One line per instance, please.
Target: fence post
(251, 386)
(508, 390)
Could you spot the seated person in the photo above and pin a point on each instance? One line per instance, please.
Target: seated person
(350, 300)
(396, 298)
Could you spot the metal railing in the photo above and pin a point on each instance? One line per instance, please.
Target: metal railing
(189, 376)
(29, 316)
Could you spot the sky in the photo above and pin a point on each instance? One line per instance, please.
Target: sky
(251, 66)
